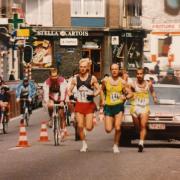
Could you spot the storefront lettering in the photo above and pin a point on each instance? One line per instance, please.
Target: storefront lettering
(62, 33)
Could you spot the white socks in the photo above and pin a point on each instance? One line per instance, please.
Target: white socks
(141, 142)
(116, 148)
(84, 146)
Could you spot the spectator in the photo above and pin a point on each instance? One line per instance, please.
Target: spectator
(11, 76)
(157, 69)
(170, 78)
(150, 76)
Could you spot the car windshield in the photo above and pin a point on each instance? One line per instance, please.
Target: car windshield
(167, 95)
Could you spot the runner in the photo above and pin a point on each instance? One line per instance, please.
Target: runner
(113, 95)
(87, 89)
(140, 104)
(55, 90)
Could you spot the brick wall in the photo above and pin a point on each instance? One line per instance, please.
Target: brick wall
(112, 13)
(62, 13)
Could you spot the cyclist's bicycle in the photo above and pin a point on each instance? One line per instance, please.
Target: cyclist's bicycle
(26, 115)
(4, 120)
(56, 123)
(67, 114)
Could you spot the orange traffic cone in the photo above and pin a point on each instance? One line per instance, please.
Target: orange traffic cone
(22, 136)
(101, 114)
(43, 133)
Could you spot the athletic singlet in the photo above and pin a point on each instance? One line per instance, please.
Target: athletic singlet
(113, 93)
(141, 96)
(83, 89)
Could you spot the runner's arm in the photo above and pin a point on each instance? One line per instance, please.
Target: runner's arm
(71, 87)
(102, 95)
(151, 88)
(96, 86)
(127, 91)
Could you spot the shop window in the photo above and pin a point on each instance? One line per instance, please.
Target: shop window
(163, 46)
(87, 8)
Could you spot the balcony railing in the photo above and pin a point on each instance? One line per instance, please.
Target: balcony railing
(134, 22)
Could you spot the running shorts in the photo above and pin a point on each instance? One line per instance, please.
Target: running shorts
(137, 110)
(112, 110)
(85, 108)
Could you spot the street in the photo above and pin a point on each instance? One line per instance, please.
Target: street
(65, 162)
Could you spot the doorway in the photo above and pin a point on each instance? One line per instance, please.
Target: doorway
(95, 56)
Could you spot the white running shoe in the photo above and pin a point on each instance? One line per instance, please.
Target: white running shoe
(62, 136)
(116, 149)
(1, 126)
(84, 148)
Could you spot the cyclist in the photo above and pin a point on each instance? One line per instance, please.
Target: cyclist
(114, 92)
(55, 90)
(25, 90)
(140, 104)
(87, 88)
(4, 102)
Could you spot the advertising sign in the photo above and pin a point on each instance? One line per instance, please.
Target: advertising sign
(42, 57)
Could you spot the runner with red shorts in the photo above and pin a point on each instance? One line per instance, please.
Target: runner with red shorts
(87, 89)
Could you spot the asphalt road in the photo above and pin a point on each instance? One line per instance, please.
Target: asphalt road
(159, 161)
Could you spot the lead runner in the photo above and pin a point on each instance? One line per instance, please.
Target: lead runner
(87, 88)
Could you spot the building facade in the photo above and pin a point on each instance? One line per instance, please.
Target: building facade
(67, 30)
(163, 42)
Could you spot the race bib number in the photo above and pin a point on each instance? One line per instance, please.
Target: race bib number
(114, 97)
(82, 96)
(141, 100)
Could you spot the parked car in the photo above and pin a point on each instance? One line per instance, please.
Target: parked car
(164, 119)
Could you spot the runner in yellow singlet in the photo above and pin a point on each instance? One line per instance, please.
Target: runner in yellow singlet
(140, 104)
(113, 95)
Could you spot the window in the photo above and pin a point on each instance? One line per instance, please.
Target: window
(133, 7)
(164, 46)
(87, 8)
(39, 12)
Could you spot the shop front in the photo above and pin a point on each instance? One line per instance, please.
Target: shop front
(127, 48)
(64, 48)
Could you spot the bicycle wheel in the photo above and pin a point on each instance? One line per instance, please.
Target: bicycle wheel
(26, 118)
(56, 131)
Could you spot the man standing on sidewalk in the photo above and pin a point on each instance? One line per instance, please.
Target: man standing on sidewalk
(87, 89)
